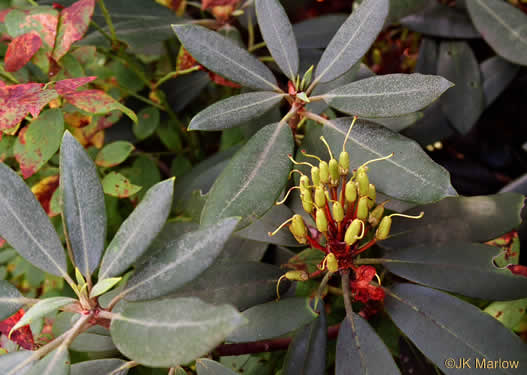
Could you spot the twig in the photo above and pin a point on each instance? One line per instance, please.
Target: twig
(108, 20)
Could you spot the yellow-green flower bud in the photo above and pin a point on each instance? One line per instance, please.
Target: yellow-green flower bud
(315, 176)
(320, 197)
(334, 172)
(384, 228)
(344, 163)
(352, 233)
(332, 263)
(363, 183)
(321, 221)
(376, 215)
(297, 275)
(324, 172)
(304, 181)
(362, 208)
(338, 212)
(307, 199)
(372, 194)
(350, 192)
(298, 229)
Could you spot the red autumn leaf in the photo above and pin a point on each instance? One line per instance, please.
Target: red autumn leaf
(97, 102)
(17, 101)
(517, 269)
(3, 14)
(43, 22)
(67, 86)
(21, 50)
(58, 6)
(44, 191)
(73, 24)
(2, 242)
(219, 80)
(206, 4)
(22, 336)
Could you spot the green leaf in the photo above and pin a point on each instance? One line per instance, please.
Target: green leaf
(114, 154)
(179, 262)
(170, 137)
(39, 142)
(397, 123)
(509, 313)
(10, 360)
(402, 8)
(444, 327)
(95, 340)
(307, 352)
(459, 267)
(172, 331)
(464, 103)
(469, 219)
(410, 175)
(42, 308)
(253, 179)
(241, 284)
(208, 367)
(388, 95)
(116, 185)
(318, 31)
(55, 363)
(11, 300)
(441, 20)
(359, 347)
(224, 57)
(99, 367)
(139, 230)
(83, 206)
(201, 177)
(26, 227)
(496, 73)
(103, 286)
(235, 110)
(259, 230)
(147, 122)
(278, 35)
(502, 26)
(352, 40)
(273, 319)
(427, 58)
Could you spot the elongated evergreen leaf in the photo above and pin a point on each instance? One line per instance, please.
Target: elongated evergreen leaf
(25, 225)
(273, 319)
(459, 267)
(138, 231)
(496, 74)
(444, 327)
(318, 31)
(352, 40)
(307, 352)
(83, 206)
(235, 110)
(180, 262)
(55, 363)
(42, 308)
(172, 331)
(502, 26)
(410, 175)
(11, 300)
(224, 57)
(360, 348)
(468, 219)
(387, 95)
(464, 103)
(11, 360)
(278, 35)
(241, 284)
(253, 179)
(99, 367)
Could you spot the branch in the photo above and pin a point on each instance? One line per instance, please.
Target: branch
(265, 345)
